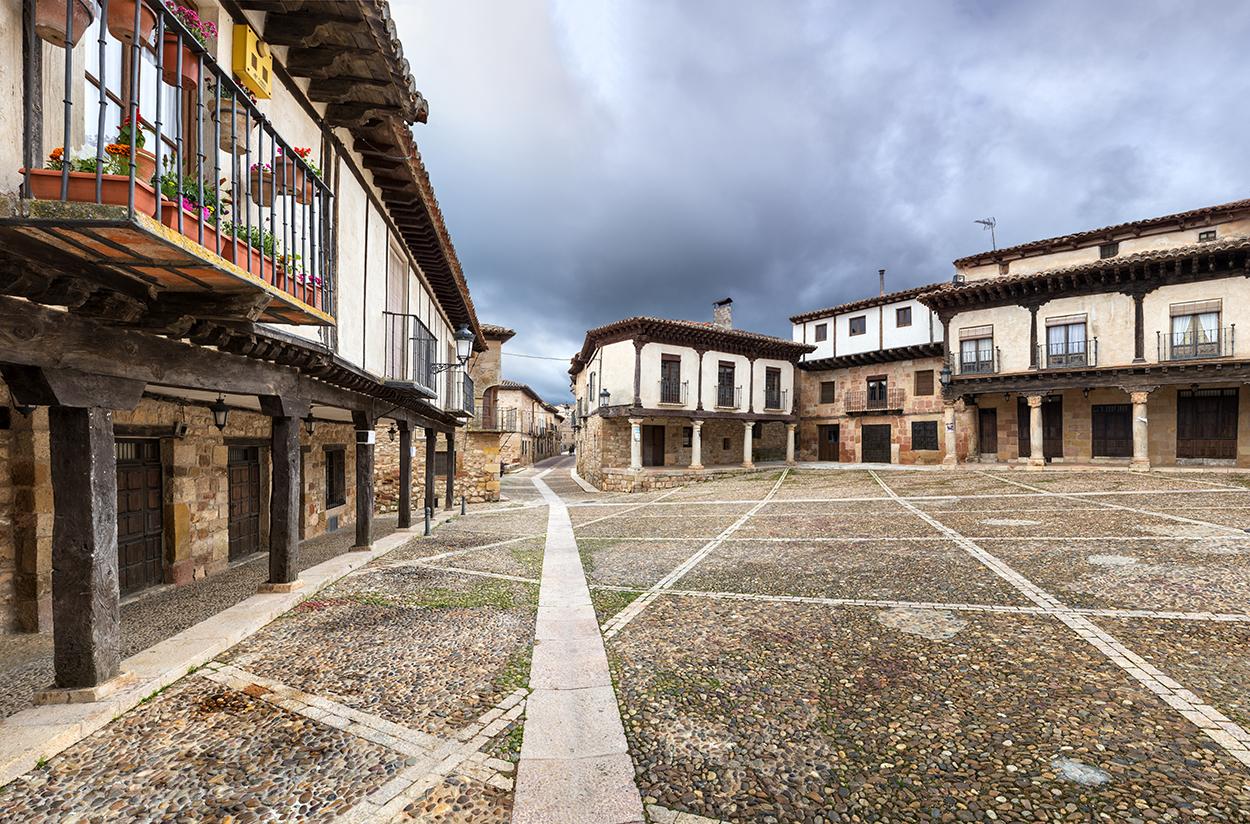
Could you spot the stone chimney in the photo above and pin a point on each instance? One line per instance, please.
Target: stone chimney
(723, 313)
(881, 275)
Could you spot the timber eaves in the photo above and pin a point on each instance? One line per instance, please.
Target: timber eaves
(898, 353)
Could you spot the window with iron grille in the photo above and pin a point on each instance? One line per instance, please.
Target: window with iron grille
(687, 436)
(772, 387)
(858, 325)
(1109, 250)
(822, 332)
(924, 382)
(826, 391)
(902, 316)
(440, 463)
(924, 435)
(336, 476)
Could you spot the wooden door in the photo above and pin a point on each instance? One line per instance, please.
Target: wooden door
(828, 438)
(652, 445)
(244, 494)
(1052, 427)
(1024, 432)
(875, 443)
(140, 515)
(987, 431)
(1206, 423)
(1112, 425)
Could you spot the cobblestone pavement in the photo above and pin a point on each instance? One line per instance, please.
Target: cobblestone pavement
(932, 645)
(394, 694)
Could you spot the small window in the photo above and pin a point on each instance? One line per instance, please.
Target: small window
(822, 332)
(924, 382)
(1207, 236)
(725, 444)
(826, 392)
(858, 324)
(336, 476)
(1109, 250)
(687, 436)
(757, 429)
(902, 316)
(924, 435)
(1004, 267)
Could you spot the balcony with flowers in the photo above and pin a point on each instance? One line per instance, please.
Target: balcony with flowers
(163, 172)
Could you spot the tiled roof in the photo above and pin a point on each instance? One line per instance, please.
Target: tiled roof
(497, 332)
(1193, 217)
(865, 303)
(525, 387)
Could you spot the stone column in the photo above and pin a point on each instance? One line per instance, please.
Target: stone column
(973, 414)
(696, 444)
(1036, 449)
(948, 434)
(635, 444)
(430, 440)
(284, 503)
(451, 470)
(790, 434)
(1141, 431)
(365, 439)
(405, 476)
(748, 453)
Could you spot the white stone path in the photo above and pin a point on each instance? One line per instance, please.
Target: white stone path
(575, 766)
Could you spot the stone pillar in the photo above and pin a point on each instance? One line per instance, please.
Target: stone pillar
(1141, 431)
(451, 470)
(85, 595)
(790, 435)
(948, 434)
(430, 438)
(366, 436)
(696, 444)
(1036, 449)
(284, 504)
(748, 452)
(973, 416)
(405, 476)
(635, 444)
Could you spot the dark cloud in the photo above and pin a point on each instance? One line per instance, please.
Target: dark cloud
(599, 159)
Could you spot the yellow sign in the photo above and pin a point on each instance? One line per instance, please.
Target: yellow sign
(253, 62)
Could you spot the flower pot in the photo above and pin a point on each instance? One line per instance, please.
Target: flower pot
(50, 20)
(233, 125)
(189, 78)
(45, 184)
(121, 22)
(145, 164)
(232, 249)
(264, 190)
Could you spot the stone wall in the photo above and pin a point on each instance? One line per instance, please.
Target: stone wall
(8, 550)
(477, 468)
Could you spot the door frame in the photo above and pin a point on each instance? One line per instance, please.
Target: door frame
(159, 465)
(651, 434)
(822, 430)
(863, 441)
(990, 413)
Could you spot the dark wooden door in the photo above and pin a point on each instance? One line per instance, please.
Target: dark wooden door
(244, 492)
(1052, 427)
(652, 445)
(140, 508)
(1112, 425)
(875, 442)
(828, 439)
(987, 431)
(1206, 423)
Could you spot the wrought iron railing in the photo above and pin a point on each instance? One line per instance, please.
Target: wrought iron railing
(1206, 343)
(1068, 354)
(409, 354)
(862, 400)
(983, 363)
(457, 391)
(674, 392)
(466, 394)
(219, 172)
(775, 400)
(728, 397)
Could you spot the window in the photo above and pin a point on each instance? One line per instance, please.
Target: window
(687, 436)
(1004, 267)
(924, 382)
(1065, 342)
(1109, 250)
(725, 394)
(670, 379)
(1206, 236)
(858, 325)
(772, 388)
(336, 476)
(976, 350)
(924, 435)
(822, 332)
(1196, 331)
(902, 316)
(440, 463)
(878, 391)
(725, 444)
(826, 392)
(594, 399)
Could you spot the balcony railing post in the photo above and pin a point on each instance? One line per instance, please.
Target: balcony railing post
(102, 69)
(68, 99)
(158, 125)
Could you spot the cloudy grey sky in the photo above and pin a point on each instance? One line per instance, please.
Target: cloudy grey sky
(600, 159)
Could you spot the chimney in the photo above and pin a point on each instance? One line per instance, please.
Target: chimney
(881, 275)
(723, 313)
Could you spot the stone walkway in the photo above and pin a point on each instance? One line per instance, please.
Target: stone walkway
(574, 767)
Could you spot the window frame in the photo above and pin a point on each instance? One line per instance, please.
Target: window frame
(335, 478)
(916, 383)
(1108, 250)
(820, 333)
(863, 326)
(898, 317)
(687, 437)
(832, 394)
(1207, 236)
(877, 385)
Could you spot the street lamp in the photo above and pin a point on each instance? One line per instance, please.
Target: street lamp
(464, 348)
(220, 412)
(944, 377)
(310, 425)
(604, 397)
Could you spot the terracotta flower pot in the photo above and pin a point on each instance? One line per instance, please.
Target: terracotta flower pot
(50, 20)
(121, 22)
(190, 75)
(45, 184)
(234, 126)
(263, 187)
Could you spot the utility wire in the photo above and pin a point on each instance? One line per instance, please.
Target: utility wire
(534, 357)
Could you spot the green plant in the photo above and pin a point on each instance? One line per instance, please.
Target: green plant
(208, 200)
(124, 133)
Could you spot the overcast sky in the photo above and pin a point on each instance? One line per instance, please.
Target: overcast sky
(596, 159)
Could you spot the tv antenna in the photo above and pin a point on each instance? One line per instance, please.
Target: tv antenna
(989, 223)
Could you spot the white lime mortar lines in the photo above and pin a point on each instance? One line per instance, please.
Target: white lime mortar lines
(618, 622)
(1231, 736)
(924, 539)
(634, 508)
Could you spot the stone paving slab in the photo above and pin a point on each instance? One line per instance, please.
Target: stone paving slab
(633, 562)
(888, 522)
(912, 483)
(1069, 523)
(673, 525)
(573, 723)
(837, 483)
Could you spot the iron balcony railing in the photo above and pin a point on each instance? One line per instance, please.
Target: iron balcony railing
(496, 417)
(728, 397)
(409, 350)
(457, 391)
(170, 134)
(1068, 354)
(984, 363)
(775, 400)
(466, 394)
(1207, 343)
(674, 392)
(861, 400)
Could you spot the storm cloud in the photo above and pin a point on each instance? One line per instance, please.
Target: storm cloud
(600, 159)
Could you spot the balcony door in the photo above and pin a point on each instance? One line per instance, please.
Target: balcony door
(670, 379)
(1196, 335)
(725, 395)
(987, 431)
(1065, 345)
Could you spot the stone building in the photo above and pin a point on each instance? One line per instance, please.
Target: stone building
(661, 402)
(528, 426)
(1112, 345)
(195, 366)
(870, 391)
(565, 434)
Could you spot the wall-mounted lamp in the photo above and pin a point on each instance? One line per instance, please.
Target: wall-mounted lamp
(220, 412)
(944, 376)
(604, 397)
(392, 432)
(310, 425)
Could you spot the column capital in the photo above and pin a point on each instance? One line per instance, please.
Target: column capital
(748, 424)
(1139, 397)
(635, 421)
(697, 423)
(790, 427)
(1034, 400)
